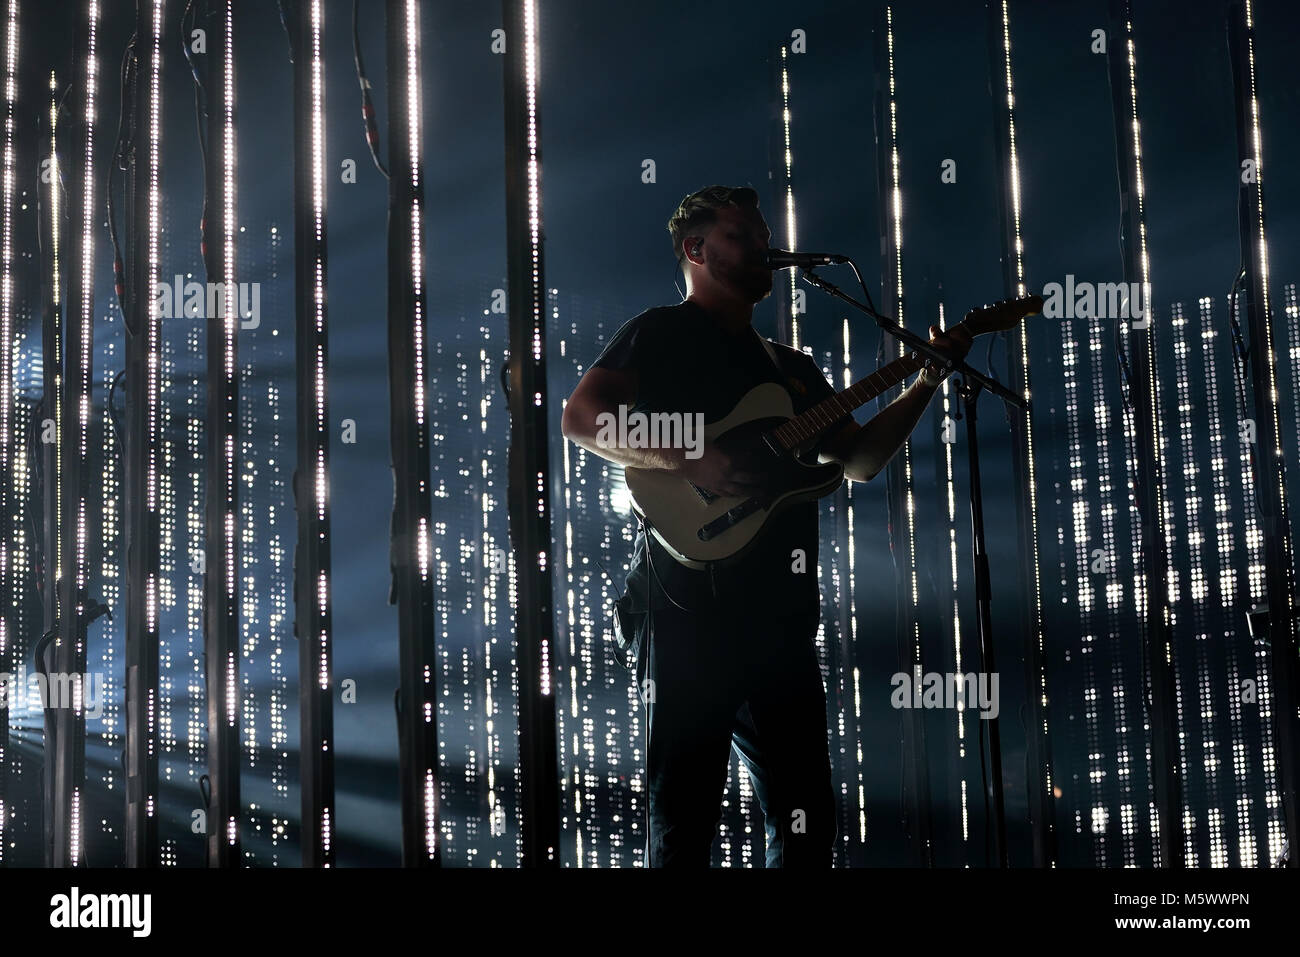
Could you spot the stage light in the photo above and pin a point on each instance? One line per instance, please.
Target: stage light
(1291, 312)
(1265, 546)
(142, 440)
(85, 320)
(7, 443)
(948, 443)
(791, 238)
(153, 371)
(223, 532)
(1151, 394)
(1225, 525)
(1268, 367)
(900, 348)
(1187, 390)
(312, 561)
(415, 559)
(1022, 335)
(418, 345)
(70, 659)
(855, 689)
(1025, 464)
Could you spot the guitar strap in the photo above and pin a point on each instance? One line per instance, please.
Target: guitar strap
(771, 353)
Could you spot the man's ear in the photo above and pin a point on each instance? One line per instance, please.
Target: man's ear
(693, 249)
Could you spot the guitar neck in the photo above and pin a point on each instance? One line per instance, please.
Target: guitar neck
(803, 429)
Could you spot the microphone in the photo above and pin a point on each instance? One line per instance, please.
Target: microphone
(784, 259)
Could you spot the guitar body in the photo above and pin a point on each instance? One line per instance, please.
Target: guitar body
(699, 528)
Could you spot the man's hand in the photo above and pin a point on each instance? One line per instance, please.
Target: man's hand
(726, 470)
(955, 343)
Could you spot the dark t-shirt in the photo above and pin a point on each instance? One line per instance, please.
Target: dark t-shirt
(685, 361)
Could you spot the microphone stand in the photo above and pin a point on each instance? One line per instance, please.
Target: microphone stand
(922, 346)
(973, 382)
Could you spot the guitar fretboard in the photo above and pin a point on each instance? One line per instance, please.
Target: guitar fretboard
(803, 429)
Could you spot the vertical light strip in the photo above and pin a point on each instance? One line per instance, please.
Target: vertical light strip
(896, 193)
(1079, 573)
(531, 65)
(320, 438)
(312, 569)
(418, 345)
(489, 574)
(230, 323)
(896, 205)
(1014, 159)
(1258, 147)
(1225, 538)
(1195, 592)
(1291, 310)
(791, 238)
(1021, 340)
(86, 315)
(1271, 465)
(52, 380)
(319, 368)
(1256, 578)
(417, 262)
(222, 612)
(858, 762)
(537, 784)
(581, 798)
(1207, 668)
(139, 447)
(81, 360)
(56, 176)
(1162, 522)
(56, 220)
(1128, 810)
(153, 401)
(954, 568)
(1140, 584)
(7, 349)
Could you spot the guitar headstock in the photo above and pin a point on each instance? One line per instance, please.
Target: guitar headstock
(1002, 315)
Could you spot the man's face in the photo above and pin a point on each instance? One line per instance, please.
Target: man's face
(735, 249)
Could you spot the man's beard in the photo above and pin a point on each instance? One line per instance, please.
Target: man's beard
(752, 281)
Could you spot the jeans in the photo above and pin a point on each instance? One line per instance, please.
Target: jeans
(740, 676)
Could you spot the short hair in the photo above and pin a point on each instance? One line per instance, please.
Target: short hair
(701, 209)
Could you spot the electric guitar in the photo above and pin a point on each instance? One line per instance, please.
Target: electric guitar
(699, 527)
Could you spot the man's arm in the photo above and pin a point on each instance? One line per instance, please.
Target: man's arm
(600, 392)
(864, 450)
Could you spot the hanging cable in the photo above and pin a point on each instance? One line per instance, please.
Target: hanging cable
(288, 31)
(200, 118)
(1240, 359)
(122, 148)
(367, 103)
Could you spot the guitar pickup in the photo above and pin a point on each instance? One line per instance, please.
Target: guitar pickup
(729, 518)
